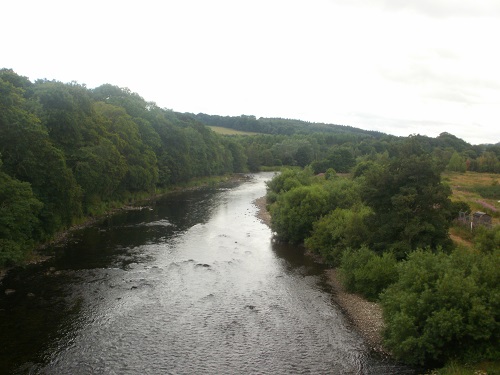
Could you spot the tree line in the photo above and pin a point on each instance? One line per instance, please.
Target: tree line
(385, 226)
(67, 152)
(295, 142)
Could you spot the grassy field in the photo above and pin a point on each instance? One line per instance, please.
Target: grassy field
(227, 131)
(481, 191)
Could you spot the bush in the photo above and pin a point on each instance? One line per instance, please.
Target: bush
(289, 179)
(11, 252)
(487, 240)
(367, 273)
(444, 307)
(337, 231)
(294, 212)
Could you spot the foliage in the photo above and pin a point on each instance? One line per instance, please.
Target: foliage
(338, 230)
(75, 151)
(296, 210)
(340, 158)
(487, 240)
(365, 272)
(456, 163)
(411, 206)
(286, 180)
(29, 155)
(278, 125)
(489, 192)
(19, 223)
(444, 307)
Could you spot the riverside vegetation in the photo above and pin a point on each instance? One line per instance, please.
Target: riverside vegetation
(69, 153)
(385, 227)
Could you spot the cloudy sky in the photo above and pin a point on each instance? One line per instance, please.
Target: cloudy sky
(400, 67)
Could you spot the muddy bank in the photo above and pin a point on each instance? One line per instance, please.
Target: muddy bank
(365, 316)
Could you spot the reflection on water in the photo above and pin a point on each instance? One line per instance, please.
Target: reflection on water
(192, 285)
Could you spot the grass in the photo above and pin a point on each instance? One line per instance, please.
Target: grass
(467, 187)
(227, 131)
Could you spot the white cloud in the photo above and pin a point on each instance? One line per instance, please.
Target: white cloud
(398, 67)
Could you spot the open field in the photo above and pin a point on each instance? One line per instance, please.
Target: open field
(471, 187)
(227, 131)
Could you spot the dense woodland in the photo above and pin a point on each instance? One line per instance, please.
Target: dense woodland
(68, 153)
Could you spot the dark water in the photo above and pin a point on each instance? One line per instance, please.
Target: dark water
(193, 284)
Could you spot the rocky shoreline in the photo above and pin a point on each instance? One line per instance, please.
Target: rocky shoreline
(365, 316)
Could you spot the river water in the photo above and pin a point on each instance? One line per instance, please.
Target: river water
(192, 284)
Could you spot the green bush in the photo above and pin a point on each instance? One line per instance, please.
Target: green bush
(367, 273)
(487, 240)
(288, 179)
(11, 252)
(489, 192)
(444, 307)
(294, 212)
(338, 230)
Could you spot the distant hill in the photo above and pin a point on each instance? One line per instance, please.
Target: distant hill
(278, 125)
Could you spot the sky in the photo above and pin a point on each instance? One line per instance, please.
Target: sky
(399, 67)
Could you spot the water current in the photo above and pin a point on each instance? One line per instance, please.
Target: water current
(191, 284)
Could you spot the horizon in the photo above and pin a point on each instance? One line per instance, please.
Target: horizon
(378, 65)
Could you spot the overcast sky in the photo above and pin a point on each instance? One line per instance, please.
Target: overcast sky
(397, 66)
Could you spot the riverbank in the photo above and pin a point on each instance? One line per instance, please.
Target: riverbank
(63, 236)
(365, 316)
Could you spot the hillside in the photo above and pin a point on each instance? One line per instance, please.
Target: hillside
(279, 125)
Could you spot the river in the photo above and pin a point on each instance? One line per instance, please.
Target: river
(192, 284)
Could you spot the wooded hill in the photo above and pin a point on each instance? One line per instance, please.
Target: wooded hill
(278, 125)
(68, 152)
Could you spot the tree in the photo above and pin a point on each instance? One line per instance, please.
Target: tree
(444, 307)
(99, 170)
(19, 223)
(295, 211)
(142, 170)
(338, 230)
(365, 272)
(30, 156)
(411, 207)
(456, 163)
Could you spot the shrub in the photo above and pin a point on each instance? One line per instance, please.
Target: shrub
(337, 231)
(444, 307)
(293, 213)
(487, 240)
(365, 272)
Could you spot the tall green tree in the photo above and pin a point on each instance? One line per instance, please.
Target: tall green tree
(19, 223)
(338, 230)
(30, 156)
(411, 207)
(456, 163)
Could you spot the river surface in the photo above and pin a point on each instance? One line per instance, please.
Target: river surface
(192, 284)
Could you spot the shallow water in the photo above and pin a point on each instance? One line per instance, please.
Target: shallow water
(193, 284)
